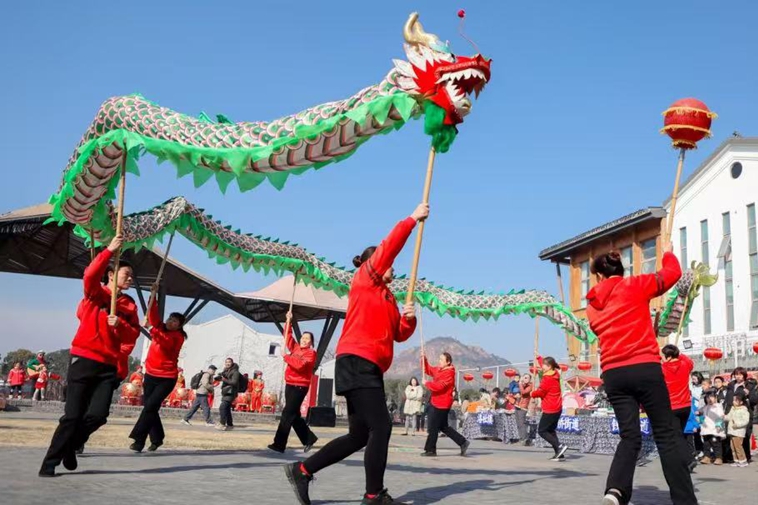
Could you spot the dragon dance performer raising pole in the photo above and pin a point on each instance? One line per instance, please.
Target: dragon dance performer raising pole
(441, 387)
(94, 356)
(619, 313)
(297, 377)
(364, 353)
(161, 372)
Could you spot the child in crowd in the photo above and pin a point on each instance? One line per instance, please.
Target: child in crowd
(712, 430)
(16, 379)
(738, 419)
(40, 385)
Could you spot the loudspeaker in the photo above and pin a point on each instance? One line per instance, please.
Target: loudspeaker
(325, 387)
(322, 416)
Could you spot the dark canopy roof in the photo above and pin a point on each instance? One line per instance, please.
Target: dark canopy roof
(28, 246)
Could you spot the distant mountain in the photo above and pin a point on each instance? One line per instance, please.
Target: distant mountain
(406, 364)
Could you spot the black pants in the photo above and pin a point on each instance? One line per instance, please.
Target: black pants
(225, 412)
(88, 402)
(293, 398)
(547, 427)
(16, 390)
(681, 416)
(156, 389)
(438, 421)
(712, 447)
(628, 388)
(370, 426)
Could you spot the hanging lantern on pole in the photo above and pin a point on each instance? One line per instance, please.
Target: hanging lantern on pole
(713, 354)
(468, 377)
(564, 367)
(510, 372)
(584, 366)
(488, 375)
(755, 347)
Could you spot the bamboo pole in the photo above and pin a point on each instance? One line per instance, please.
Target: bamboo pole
(536, 375)
(153, 291)
(674, 196)
(423, 349)
(119, 227)
(563, 300)
(420, 235)
(91, 244)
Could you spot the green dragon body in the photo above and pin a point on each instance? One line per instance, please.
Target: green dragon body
(432, 82)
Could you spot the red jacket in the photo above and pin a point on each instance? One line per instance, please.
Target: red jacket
(677, 375)
(550, 392)
(16, 377)
(94, 339)
(300, 362)
(373, 322)
(441, 386)
(163, 354)
(619, 314)
(42, 380)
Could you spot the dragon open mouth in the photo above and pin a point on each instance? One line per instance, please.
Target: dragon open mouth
(465, 77)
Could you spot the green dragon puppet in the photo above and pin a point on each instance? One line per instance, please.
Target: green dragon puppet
(432, 82)
(676, 313)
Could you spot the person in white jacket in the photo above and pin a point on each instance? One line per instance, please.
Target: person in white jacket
(738, 419)
(413, 407)
(712, 430)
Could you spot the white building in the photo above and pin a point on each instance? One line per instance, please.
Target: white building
(715, 223)
(214, 341)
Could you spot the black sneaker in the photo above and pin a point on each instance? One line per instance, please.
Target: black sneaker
(47, 470)
(307, 447)
(154, 447)
(465, 447)
(276, 449)
(382, 498)
(299, 482)
(69, 462)
(429, 454)
(135, 447)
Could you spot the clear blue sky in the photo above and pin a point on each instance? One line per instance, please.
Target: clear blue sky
(564, 138)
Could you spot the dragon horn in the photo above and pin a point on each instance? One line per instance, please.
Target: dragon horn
(414, 33)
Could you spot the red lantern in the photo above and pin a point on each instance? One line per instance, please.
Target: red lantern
(687, 122)
(533, 370)
(713, 353)
(510, 372)
(564, 368)
(755, 347)
(487, 376)
(468, 377)
(584, 366)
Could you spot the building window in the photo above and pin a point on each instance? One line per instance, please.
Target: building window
(725, 253)
(272, 349)
(736, 169)
(706, 290)
(753, 252)
(585, 282)
(683, 248)
(648, 256)
(627, 259)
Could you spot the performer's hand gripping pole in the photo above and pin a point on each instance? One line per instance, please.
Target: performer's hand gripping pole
(119, 227)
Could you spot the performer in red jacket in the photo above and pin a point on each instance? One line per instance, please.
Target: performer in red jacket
(619, 313)
(137, 377)
(364, 353)
(677, 370)
(94, 355)
(441, 386)
(552, 405)
(16, 379)
(297, 377)
(161, 372)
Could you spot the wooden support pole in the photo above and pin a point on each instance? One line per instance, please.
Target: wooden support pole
(158, 278)
(420, 235)
(674, 197)
(119, 227)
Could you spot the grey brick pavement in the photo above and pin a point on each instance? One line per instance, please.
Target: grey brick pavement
(493, 473)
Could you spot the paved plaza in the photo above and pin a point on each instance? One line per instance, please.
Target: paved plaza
(492, 473)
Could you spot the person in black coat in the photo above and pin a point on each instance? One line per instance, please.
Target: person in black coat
(230, 379)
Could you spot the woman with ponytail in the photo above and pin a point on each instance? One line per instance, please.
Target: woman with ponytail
(364, 353)
(619, 313)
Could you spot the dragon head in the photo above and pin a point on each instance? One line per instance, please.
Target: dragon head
(434, 73)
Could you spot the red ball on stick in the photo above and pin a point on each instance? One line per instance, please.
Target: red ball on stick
(461, 14)
(687, 122)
